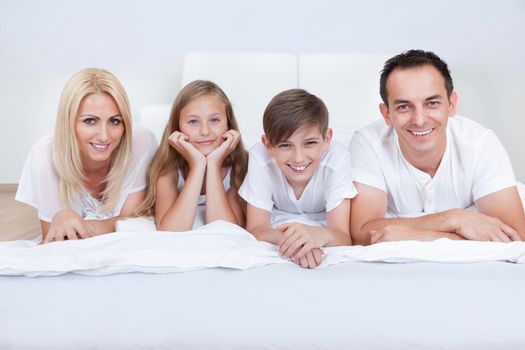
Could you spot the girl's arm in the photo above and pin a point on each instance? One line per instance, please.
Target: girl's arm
(219, 204)
(176, 211)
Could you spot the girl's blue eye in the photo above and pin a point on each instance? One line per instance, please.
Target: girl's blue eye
(193, 122)
(115, 121)
(89, 121)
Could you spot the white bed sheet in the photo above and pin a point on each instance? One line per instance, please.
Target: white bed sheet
(219, 244)
(354, 305)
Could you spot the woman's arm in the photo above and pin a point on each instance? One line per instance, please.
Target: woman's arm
(67, 224)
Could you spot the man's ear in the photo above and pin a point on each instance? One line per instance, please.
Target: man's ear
(327, 138)
(266, 144)
(383, 108)
(453, 101)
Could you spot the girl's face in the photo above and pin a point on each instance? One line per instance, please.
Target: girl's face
(204, 121)
(99, 129)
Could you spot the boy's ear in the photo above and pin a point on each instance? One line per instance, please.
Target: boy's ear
(383, 108)
(327, 138)
(266, 144)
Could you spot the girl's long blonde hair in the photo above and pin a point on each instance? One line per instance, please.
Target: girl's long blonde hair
(167, 159)
(66, 154)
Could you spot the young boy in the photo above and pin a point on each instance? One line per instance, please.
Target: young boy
(298, 186)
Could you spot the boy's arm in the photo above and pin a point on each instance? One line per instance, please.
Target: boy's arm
(258, 224)
(299, 239)
(337, 224)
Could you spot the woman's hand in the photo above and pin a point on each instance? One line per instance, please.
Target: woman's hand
(193, 156)
(218, 155)
(67, 224)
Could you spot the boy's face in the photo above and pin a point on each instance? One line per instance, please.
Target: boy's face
(298, 156)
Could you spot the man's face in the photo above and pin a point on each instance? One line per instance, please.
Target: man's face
(418, 109)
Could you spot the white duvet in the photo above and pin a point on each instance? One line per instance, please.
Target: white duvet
(219, 244)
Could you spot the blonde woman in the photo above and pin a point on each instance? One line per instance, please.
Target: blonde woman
(92, 170)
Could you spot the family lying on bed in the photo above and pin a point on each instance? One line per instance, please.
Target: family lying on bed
(421, 173)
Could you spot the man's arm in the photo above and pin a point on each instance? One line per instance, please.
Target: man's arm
(367, 218)
(506, 206)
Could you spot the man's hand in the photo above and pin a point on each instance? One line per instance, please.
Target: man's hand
(481, 227)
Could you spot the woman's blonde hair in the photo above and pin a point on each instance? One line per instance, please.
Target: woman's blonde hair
(66, 154)
(167, 159)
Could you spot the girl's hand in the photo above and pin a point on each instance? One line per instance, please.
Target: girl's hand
(218, 155)
(299, 239)
(67, 224)
(193, 156)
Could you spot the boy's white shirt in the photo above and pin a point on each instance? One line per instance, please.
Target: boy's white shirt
(474, 165)
(265, 186)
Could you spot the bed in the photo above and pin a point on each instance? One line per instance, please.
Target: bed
(218, 288)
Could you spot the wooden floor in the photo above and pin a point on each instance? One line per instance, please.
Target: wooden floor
(17, 220)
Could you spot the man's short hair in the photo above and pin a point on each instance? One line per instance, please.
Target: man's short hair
(291, 109)
(410, 59)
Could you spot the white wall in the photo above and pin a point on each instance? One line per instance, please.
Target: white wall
(42, 43)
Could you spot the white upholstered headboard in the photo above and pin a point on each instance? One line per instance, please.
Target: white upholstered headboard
(347, 83)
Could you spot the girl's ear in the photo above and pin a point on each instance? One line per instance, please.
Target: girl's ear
(267, 145)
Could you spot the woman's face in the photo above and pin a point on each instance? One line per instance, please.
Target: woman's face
(99, 128)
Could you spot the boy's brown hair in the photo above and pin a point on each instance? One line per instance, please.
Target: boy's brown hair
(291, 109)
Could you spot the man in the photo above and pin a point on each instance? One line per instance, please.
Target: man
(418, 175)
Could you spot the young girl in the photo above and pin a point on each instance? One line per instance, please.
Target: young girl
(200, 164)
(92, 170)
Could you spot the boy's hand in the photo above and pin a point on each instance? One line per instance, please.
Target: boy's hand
(298, 239)
(311, 259)
(180, 142)
(218, 155)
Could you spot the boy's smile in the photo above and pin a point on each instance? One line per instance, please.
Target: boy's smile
(299, 155)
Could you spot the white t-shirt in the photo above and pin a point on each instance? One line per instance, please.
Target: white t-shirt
(474, 165)
(39, 182)
(266, 187)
